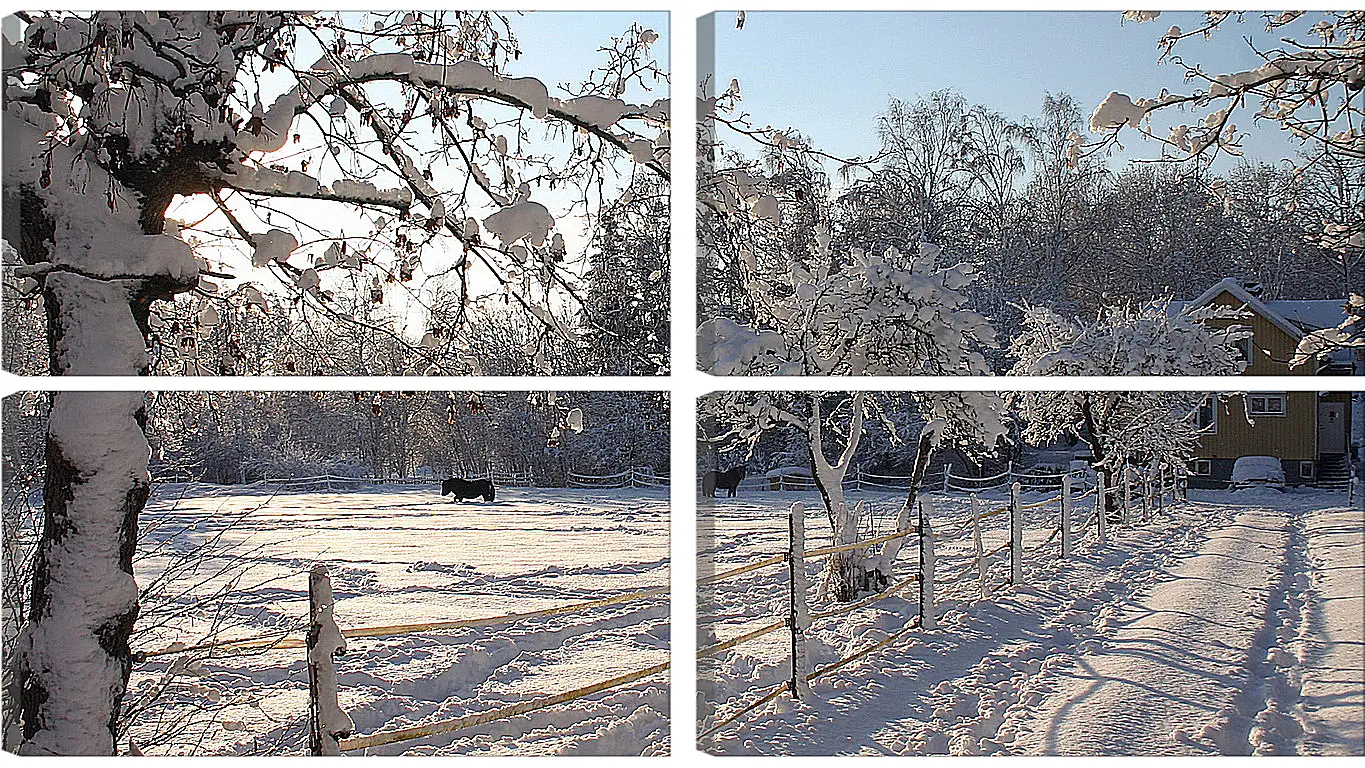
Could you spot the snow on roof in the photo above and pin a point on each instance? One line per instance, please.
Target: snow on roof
(788, 472)
(1312, 314)
(1295, 317)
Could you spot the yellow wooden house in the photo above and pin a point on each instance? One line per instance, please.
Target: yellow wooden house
(1309, 432)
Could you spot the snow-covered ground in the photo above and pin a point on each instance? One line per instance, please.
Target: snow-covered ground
(1230, 625)
(399, 555)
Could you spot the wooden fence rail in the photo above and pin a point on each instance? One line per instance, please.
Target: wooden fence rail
(1151, 487)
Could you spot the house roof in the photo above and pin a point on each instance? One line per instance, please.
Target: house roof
(1294, 317)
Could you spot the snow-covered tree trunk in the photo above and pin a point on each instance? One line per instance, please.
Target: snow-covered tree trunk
(847, 575)
(923, 454)
(74, 658)
(74, 655)
(1099, 457)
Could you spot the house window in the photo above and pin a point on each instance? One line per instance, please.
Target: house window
(1306, 469)
(1265, 405)
(1244, 348)
(1207, 417)
(1202, 467)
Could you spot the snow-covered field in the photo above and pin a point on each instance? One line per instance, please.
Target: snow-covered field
(1232, 624)
(399, 555)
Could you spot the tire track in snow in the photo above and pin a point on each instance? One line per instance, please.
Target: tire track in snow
(1167, 680)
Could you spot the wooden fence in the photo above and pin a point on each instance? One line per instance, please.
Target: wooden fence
(330, 727)
(942, 479)
(1135, 495)
(638, 477)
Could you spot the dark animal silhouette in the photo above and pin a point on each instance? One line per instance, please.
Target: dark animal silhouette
(467, 489)
(729, 480)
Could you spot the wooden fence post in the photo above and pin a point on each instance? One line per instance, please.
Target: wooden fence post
(926, 571)
(798, 616)
(327, 722)
(1066, 516)
(1016, 535)
(978, 550)
(1146, 495)
(1101, 507)
(1160, 488)
(947, 468)
(1127, 493)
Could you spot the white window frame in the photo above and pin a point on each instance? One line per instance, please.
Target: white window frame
(1210, 402)
(1311, 470)
(1202, 467)
(1265, 397)
(1247, 349)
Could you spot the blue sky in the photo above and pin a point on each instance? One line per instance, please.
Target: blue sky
(559, 45)
(830, 74)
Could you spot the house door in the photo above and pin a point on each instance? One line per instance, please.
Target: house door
(1331, 428)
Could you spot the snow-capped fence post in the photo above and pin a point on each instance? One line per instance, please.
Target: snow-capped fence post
(947, 473)
(978, 550)
(1146, 495)
(1016, 535)
(1066, 516)
(327, 722)
(1160, 488)
(926, 570)
(1127, 475)
(1009, 471)
(1101, 507)
(798, 616)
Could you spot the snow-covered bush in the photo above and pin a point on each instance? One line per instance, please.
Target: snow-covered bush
(1147, 427)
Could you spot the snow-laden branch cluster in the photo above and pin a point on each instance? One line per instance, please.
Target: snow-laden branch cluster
(1350, 334)
(865, 314)
(1310, 84)
(1125, 340)
(1131, 340)
(257, 125)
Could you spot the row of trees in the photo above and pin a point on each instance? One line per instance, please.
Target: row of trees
(238, 437)
(1038, 223)
(971, 243)
(242, 437)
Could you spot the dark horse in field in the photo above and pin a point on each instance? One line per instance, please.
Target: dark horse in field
(729, 480)
(467, 489)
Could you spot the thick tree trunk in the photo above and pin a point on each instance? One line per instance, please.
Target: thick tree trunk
(847, 571)
(1099, 456)
(74, 655)
(100, 272)
(74, 658)
(891, 550)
